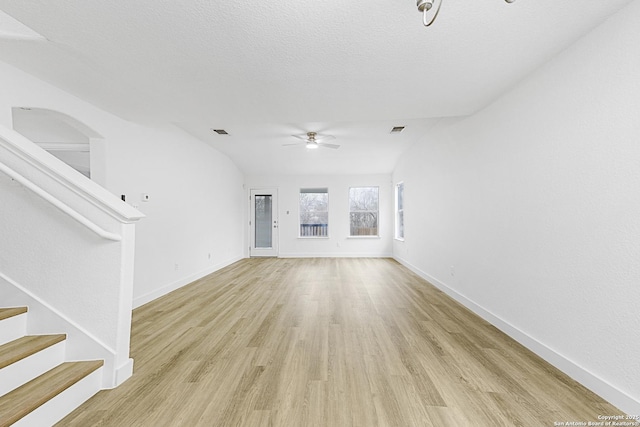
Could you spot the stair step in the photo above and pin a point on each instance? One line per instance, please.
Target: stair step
(6, 313)
(25, 358)
(24, 347)
(27, 398)
(13, 323)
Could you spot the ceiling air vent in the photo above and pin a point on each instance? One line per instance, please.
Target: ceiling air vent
(220, 131)
(397, 129)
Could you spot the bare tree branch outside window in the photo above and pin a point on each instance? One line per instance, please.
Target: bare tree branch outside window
(363, 211)
(314, 212)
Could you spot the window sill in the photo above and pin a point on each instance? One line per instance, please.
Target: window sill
(313, 237)
(398, 239)
(363, 237)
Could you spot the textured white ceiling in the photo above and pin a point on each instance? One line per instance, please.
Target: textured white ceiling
(265, 70)
(11, 29)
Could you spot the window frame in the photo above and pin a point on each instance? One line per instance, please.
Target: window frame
(399, 211)
(310, 190)
(377, 212)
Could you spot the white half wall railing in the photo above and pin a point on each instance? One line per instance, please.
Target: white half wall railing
(58, 204)
(58, 179)
(79, 282)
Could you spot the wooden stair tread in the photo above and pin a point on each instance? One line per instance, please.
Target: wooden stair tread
(21, 348)
(5, 313)
(20, 402)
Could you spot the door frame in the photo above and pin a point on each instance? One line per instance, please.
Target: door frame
(275, 230)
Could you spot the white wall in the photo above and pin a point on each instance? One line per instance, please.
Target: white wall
(339, 244)
(194, 222)
(23, 217)
(529, 211)
(196, 202)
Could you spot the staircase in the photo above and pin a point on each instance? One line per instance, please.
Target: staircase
(37, 386)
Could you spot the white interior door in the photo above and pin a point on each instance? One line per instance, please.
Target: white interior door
(263, 223)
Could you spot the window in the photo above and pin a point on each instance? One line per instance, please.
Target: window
(314, 212)
(400, 211)
(263, 218)
(363, 211)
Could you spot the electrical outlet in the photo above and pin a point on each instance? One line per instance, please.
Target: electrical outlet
(176, 266)
(209, 255)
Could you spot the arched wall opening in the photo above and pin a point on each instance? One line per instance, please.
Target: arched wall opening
(64, 137)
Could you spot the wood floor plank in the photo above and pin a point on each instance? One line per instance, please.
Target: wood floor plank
(328, 342)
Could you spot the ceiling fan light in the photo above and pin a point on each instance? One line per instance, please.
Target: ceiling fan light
(424, 6)
(312, 145)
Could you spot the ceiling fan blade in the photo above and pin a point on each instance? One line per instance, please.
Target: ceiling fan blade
(322, 144)
(295, 143)
(320, 138)
(302, 137)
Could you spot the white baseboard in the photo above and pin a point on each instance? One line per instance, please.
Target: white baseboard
(123, 373)
(148, 297)
(594, 383)
(334, 255)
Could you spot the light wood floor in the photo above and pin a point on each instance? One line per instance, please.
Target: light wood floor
(328, 342)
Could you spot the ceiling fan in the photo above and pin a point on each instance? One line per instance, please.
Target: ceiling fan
(313, 140)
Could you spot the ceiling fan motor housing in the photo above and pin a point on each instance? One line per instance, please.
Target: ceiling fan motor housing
(424, 4)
